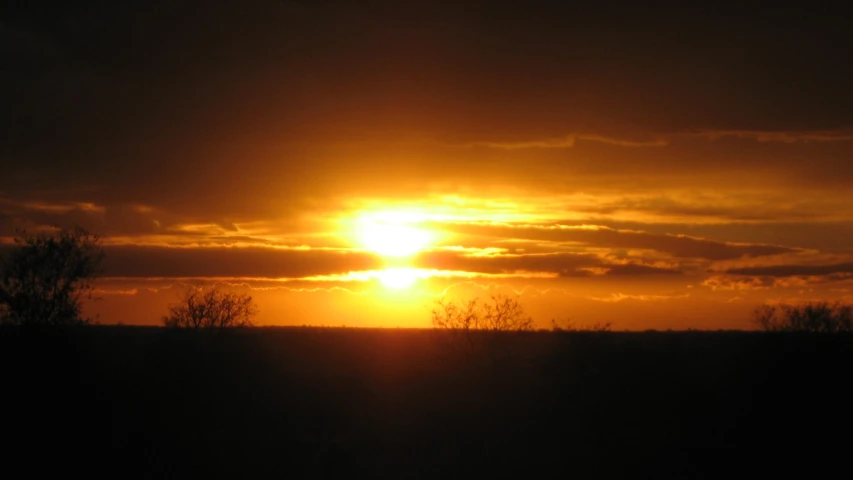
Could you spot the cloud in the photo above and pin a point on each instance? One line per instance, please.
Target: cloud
(145, 261)
(337, 265)
(635, 269)
(805, 136)
(105, 291)
(743, 282)
(764, 136)
(713, 207)
(727, 283)
(566, 264)
(679, 246)
(621, 297)
(794, 270)
(560, 263)
(569, 141)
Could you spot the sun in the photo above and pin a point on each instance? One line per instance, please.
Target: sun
(392, 239)
(396, 235)
(397, 278)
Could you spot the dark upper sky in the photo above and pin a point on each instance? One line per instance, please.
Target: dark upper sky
(148, 119)
(121, 91)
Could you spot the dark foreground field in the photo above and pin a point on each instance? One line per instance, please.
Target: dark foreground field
(343, 403)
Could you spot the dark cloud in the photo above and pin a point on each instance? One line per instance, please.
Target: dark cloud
(136, 261)
(679, 246)
(634, 269)
(826, 236)
(565, 264)
(259, 262)
(839, 135)
(794, 270)
(111, 220)
(733, 208)
(562, 264)
(569, 141)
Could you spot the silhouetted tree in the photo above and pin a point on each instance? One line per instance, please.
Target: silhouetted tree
(213, 309)
(467, 324)
(44, 279)
(818, 317)
(502, 314)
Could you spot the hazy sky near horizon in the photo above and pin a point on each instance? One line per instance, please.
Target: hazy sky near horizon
(658, 167)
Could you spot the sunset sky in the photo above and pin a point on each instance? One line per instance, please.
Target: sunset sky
(347, 163)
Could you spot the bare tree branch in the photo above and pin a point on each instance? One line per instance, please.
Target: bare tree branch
(211, 310)
(45, 278)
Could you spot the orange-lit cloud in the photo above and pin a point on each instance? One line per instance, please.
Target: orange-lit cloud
(621, 297)
(677, 245)
(570, 140)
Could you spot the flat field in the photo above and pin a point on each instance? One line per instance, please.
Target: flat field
(134, 402)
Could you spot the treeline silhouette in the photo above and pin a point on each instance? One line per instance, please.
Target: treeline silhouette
(44, 280)
(810, 317)
(47, 276)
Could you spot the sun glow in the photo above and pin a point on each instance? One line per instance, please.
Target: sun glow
(396, 235)
(391, 236)
(398, 278)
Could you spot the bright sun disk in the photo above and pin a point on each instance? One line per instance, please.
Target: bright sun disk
(397, 278)
(393, 240)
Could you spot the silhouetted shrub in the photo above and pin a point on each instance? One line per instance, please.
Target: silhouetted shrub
(213, 309)
(569, 325)
(47, 275)
(474, 324)
(503, 314)
(818, 317)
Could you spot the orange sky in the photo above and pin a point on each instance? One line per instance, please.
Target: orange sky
(667, 168)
